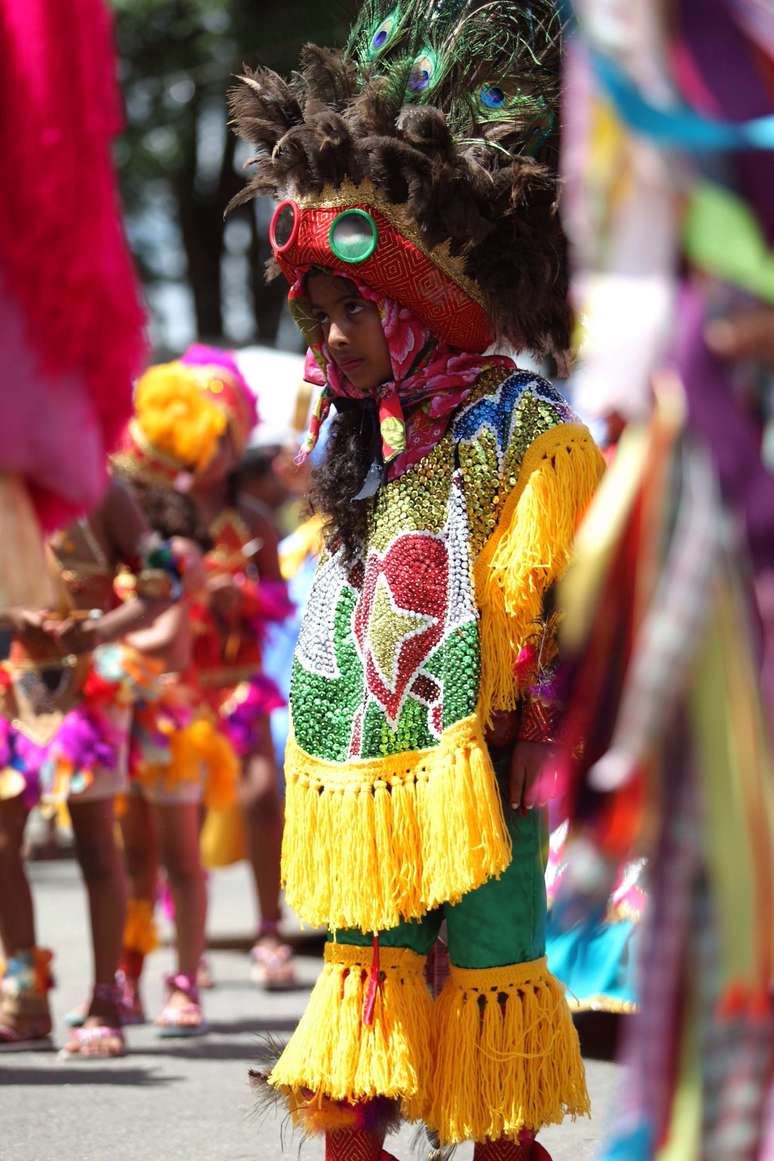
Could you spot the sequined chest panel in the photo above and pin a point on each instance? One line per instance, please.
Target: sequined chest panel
(388, 655)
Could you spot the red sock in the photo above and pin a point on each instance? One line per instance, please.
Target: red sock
(352, 1145)
(521, 1150)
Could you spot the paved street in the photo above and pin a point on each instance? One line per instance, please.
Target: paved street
(181, 1101)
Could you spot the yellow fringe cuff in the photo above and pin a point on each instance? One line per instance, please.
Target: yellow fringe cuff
(370, 843)
(529, 550)
(140, 927)
(506, 1055)
(334, 1056)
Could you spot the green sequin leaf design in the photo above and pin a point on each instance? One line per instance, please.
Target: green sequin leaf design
(323, 709)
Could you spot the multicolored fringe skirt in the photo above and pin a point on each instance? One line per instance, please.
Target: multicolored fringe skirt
(64, 732)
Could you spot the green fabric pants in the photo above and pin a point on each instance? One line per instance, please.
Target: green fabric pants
(503, 921)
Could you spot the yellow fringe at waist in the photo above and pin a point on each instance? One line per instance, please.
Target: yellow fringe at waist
(334, 1056)
(371, 842)
(506, 1055)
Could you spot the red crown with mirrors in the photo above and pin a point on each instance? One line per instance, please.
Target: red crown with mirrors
(356, 234)
(420, 161)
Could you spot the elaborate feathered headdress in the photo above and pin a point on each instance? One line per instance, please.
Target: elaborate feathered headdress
(420, 160)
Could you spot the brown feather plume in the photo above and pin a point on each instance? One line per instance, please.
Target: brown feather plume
(496, 209)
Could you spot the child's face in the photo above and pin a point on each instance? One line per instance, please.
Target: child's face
(352, 330)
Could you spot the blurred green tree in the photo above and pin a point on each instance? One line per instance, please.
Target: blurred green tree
(178, 161)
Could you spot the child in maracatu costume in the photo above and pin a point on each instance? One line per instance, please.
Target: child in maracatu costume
(416, 225)
(178, 757)
(67, 691)
(244, 592)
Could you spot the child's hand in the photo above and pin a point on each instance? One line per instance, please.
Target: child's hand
(533, 775)
(29, 628)
(81, 636)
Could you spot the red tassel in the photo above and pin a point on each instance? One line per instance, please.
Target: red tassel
(369, 1005)
(760, 1006)
(733, 1002)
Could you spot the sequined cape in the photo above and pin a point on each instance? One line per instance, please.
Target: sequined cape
(392, 806)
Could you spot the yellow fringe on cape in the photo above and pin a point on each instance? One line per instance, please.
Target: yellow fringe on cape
(529, 550)
(335, 1056)
(375, 841)
(140, 927)
(506, 1055)
(307, 540)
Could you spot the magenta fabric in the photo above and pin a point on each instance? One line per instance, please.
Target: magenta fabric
(67, 272)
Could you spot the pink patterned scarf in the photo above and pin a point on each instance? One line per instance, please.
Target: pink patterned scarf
(430, 381)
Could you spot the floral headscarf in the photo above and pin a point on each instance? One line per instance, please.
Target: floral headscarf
(430, 381)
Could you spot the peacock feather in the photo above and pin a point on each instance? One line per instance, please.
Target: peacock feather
(490, 66)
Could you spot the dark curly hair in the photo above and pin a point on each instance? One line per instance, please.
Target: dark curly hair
(171, 513)
(348, 456)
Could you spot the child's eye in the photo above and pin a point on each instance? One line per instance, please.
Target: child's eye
(320, 318)
(354, 307)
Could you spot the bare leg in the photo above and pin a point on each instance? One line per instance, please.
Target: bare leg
(24, 1011)
(105, 880)
(178, 830)
(262, 808)
(140, 848)
(17, 920)
(138, 830)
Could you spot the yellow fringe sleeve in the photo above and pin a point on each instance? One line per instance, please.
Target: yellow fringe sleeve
(307, 540)
(140, 927)
(375, 841)
(335, 1056)
(529, 550)
(506, 1055)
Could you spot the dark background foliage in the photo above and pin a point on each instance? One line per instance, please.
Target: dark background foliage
(179, 164)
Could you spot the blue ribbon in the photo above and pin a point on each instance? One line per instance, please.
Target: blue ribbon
(678, 127)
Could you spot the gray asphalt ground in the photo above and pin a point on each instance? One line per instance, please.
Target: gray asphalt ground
(184, 1100)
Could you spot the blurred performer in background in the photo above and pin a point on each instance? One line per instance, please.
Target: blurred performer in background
(175, 403)
(416, 224)
(178, 760)
(67, 691)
